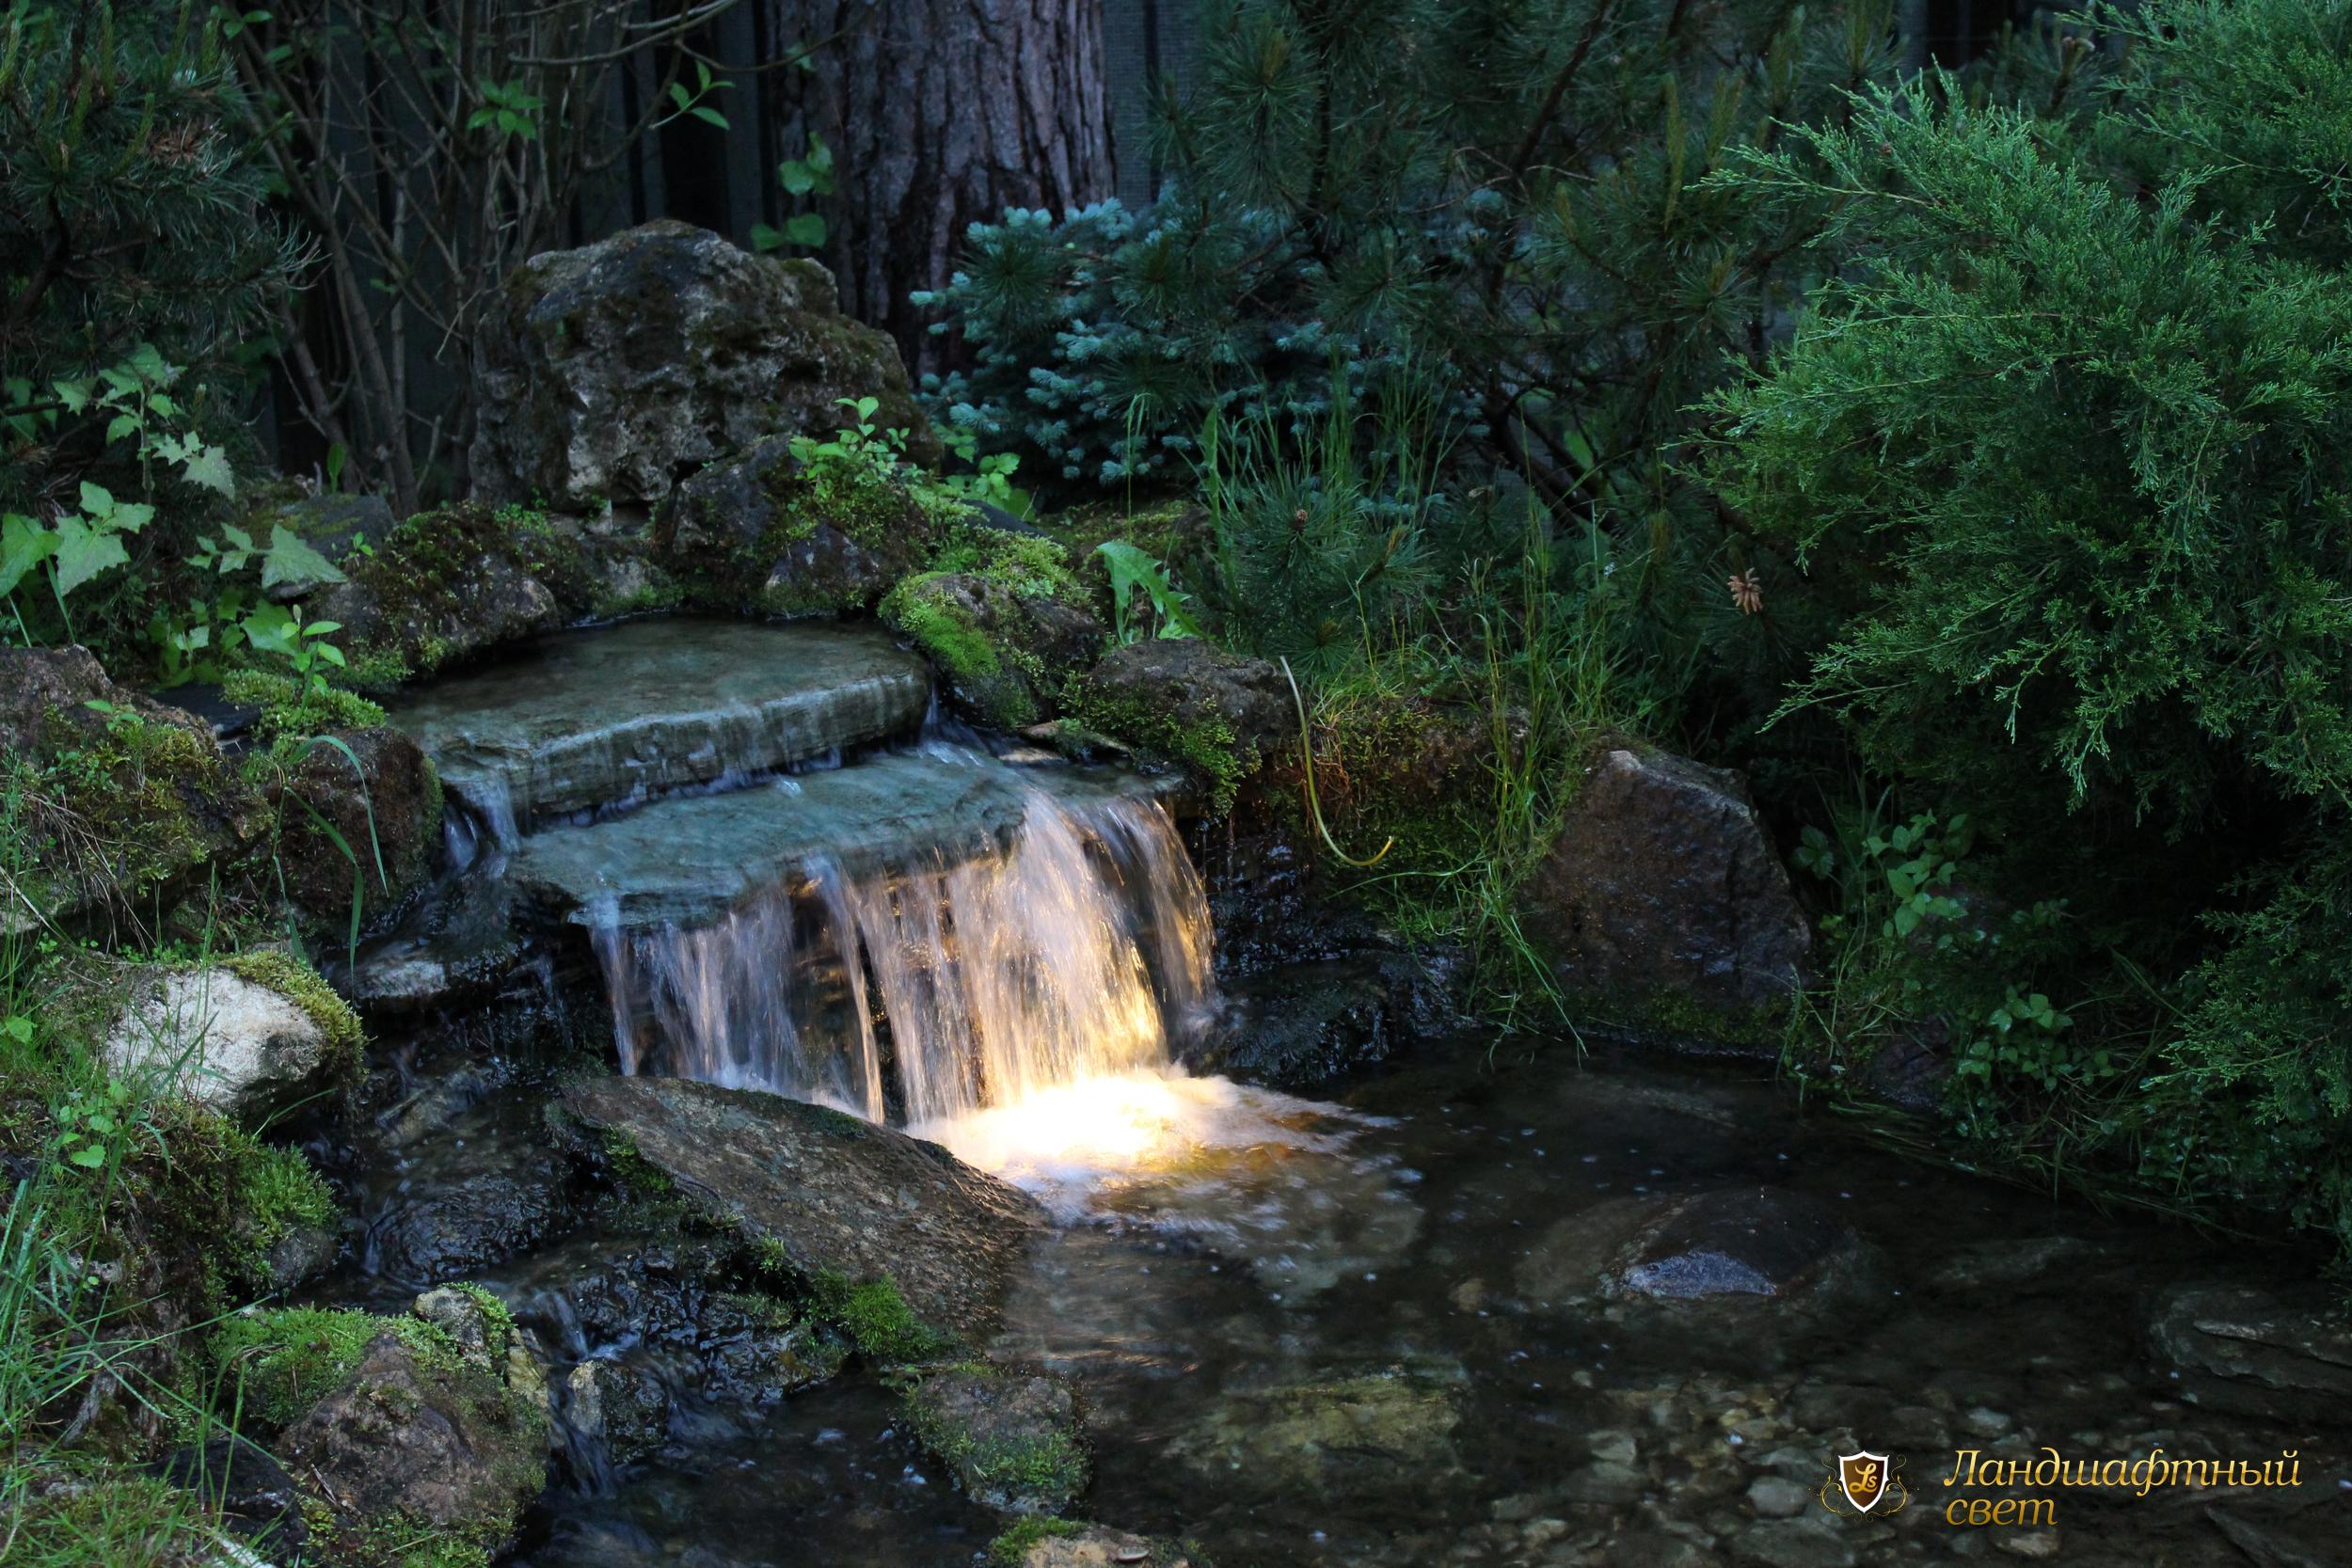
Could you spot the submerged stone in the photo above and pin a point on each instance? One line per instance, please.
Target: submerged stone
(1040, 1543)
(1010, 1435)
(689, 859)
(1384, 1433)
(1761, 1243)
(620, 1410)
(821, 1194)
(468, 1203)
(612, 716)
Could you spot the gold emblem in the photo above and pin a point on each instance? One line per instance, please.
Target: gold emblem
(1863, 1478)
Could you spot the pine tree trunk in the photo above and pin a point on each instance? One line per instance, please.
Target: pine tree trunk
(941, 113)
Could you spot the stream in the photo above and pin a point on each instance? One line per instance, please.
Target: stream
(1393, 1325)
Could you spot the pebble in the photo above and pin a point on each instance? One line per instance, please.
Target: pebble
(1777, 1498)
(1615, 1448)
(2029, 1543)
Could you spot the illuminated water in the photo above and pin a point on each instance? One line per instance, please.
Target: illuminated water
(974, 977)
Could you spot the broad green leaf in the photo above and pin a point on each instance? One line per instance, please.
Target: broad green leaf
(208, 466)
(804, 228)
(24, 545)
(292, 559)
(270, 628)
(97, 499)
(90, 1157)
(710, 116)
(83, 552)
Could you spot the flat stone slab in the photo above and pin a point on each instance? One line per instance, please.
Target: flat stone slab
(616, 714)
(828, 1192)
(687, 860)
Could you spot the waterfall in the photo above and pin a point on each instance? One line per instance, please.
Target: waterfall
(1078, 950)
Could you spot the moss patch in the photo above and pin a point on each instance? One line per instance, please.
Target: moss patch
(631, 1169)
(1011, 1548)
(274, 969)
(876, 1319)
(120, 808)
(1208, 745)
(274, 1366)
(1010, 1435)
(286, 709)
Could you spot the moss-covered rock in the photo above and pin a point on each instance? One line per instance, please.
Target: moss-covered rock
(1038, 1542)
(1004, 618)
(117, 804)
(361, 807)
(612, 370)
(253, 1037)
(811, 1194)
(415, 1440)
(447, 584)
(1190, 701)
(765, 533)
(1009, 1433)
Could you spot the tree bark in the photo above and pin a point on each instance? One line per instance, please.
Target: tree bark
(941, 113)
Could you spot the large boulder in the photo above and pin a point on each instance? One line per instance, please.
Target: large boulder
(254, 1037)
(614, 370)
(821, 1194)
(1728, 1245)
(2244, 1349)
(763, 533)
(422, 1438)
(134, 804)
(1191, 701)
(1662, 889)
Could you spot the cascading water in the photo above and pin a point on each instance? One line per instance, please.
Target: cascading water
(1075, 953)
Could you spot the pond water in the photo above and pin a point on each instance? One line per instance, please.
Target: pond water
(1326, 1345)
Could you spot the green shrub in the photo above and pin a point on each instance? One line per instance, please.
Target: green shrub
(2064, 442)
